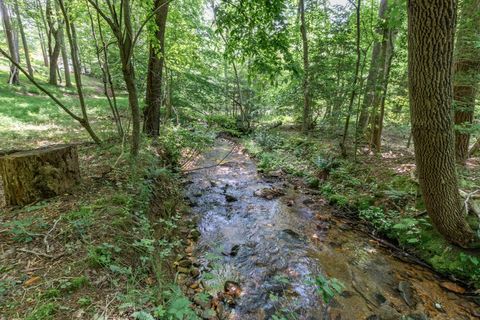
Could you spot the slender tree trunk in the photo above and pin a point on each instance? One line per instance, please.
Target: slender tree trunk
(66, 65)
(373, 74)
(112, 102)
(53, 44)
(121, 27)
(369, 95)
(72, 40)
(42, 46)
(466, 74)
(307, 112)
(382, 83)
(343, 146)
(153, 98)
(126, 50)
(24, 39)
(430, 60)
(13, 49)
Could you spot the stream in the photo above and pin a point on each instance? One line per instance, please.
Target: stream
(273, 247)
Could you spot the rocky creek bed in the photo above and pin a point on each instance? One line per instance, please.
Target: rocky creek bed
(266, 249)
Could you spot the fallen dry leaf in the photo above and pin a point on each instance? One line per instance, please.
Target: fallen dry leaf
(31, 281)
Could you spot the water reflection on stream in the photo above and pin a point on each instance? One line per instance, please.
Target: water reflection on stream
(275, 248)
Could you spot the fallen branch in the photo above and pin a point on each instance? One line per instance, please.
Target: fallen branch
(45, 239)
(469, 203)
(41, 254)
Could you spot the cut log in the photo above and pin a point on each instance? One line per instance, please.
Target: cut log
(37, 174)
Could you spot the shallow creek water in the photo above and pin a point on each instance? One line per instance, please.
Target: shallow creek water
(275, 248)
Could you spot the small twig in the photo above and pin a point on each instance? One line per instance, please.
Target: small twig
(45, 239)
(107, 304)
(123, 145)
(40, 254)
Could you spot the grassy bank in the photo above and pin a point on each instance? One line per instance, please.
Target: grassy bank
(379, 189)
(108, 248)
(101, 251)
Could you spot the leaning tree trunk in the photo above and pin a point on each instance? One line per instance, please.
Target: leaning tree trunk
(153, 99)
(466, 75)
(24, 39)
(14, 74)
(32, 175)
(430, 57)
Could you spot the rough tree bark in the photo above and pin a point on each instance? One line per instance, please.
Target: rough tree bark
(54, 44)
(430, 59)
(466, 74)
(154, 94)
(24, 39)
(12, 47)
(38, 174)
(307, 112)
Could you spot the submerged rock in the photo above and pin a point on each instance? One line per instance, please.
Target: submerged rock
(406, 292)
(269, 193)
(230, 198)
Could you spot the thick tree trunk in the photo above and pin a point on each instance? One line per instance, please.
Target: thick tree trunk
(24, 39)
(153, 98)
(12, 47)
(307, 112)
(38, 174)
(466, 74)
(430, 56)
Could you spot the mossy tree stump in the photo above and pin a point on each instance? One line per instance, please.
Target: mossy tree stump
(39, 174)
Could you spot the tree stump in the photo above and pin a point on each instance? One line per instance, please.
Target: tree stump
(38, 174)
